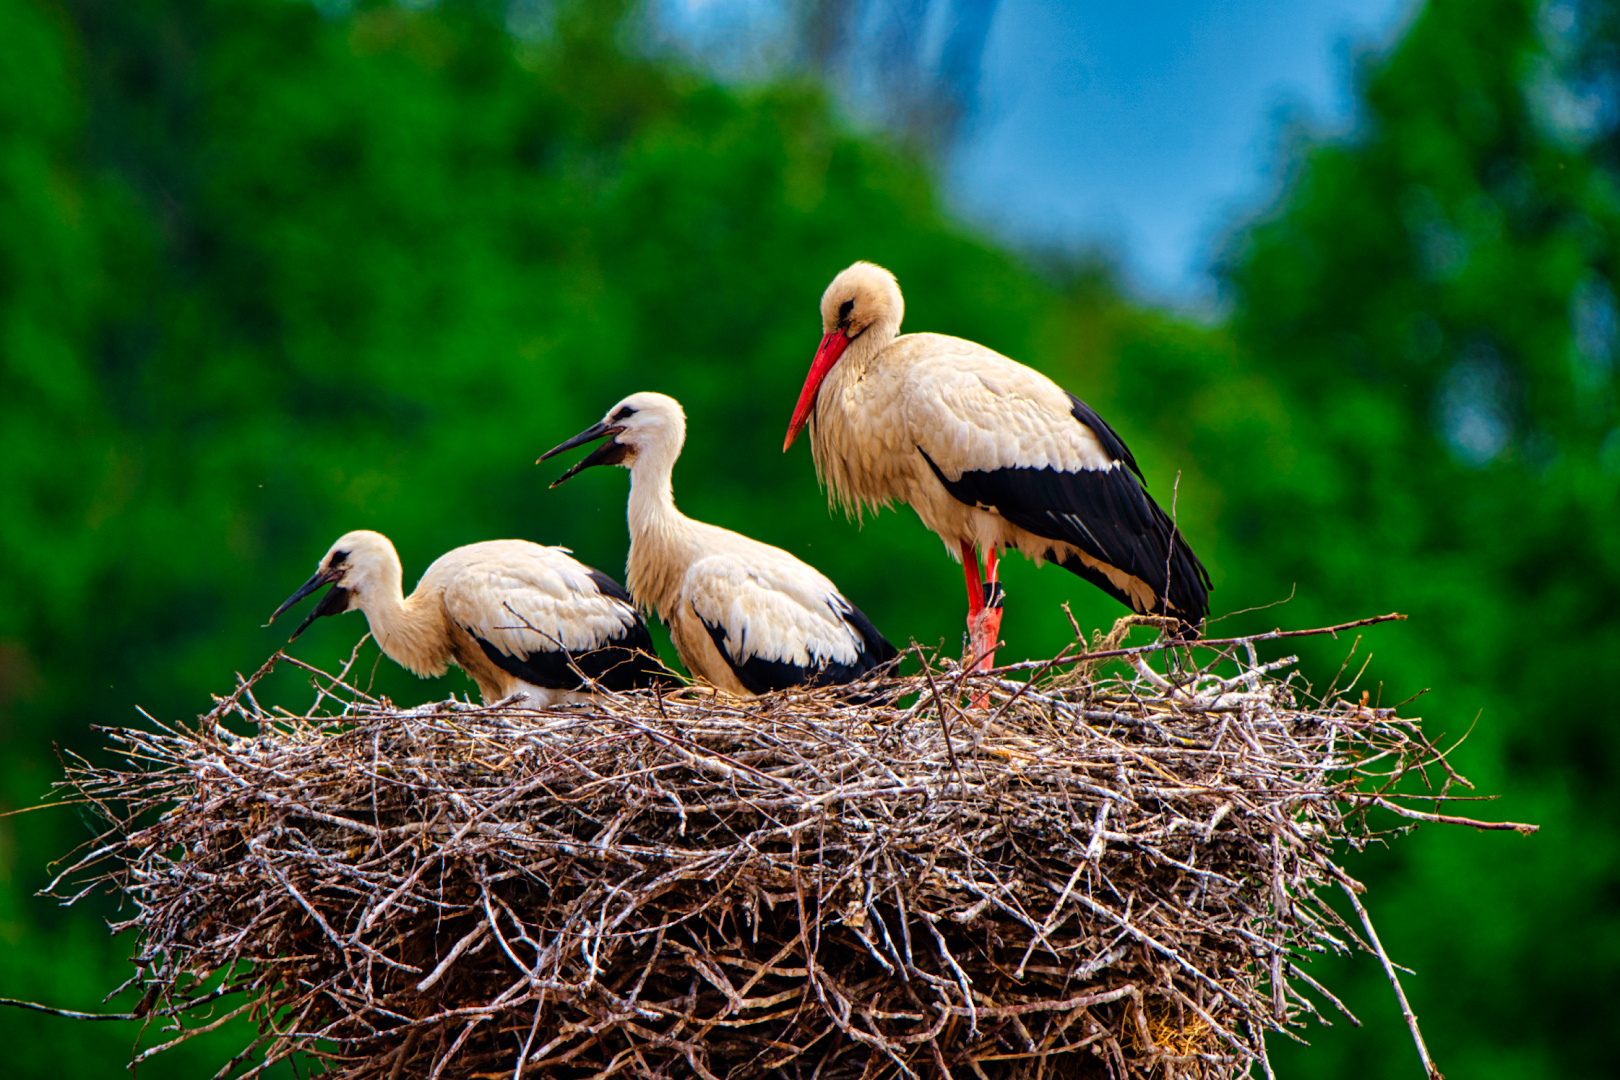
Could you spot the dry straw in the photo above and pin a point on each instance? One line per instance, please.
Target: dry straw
(1043, 871)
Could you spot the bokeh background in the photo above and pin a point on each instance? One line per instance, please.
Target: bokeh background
(272, 270)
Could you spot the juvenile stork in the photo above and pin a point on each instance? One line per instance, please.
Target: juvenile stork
(745, 617)
(991, 454)
(516, 616)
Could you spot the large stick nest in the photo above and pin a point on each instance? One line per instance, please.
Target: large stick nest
(1075, 874)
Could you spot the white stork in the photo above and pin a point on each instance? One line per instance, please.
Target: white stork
(517, 617)
(991, 454)
(745, 617)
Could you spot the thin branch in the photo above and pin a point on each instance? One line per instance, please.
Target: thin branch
(687, 882)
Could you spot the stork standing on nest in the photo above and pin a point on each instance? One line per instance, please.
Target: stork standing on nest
(991, 454)
(517, 617)
(745, 617)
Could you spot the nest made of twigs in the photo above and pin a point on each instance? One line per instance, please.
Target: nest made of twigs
(1040, 871)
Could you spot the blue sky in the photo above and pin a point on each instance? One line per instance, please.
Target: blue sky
(1151, 126)
(1146, 127)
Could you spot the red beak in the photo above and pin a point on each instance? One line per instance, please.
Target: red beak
(832, 347)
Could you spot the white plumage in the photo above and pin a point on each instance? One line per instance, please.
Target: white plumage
(991, 454)
(745, 616)
(517, 617)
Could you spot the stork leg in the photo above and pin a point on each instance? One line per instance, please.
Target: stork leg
(984, 606)
(992, 607)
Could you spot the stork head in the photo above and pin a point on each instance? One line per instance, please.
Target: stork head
(642, 426)
(864, 299)
(360, 563)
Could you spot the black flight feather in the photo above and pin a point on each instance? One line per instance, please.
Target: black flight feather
(608, 587)
(1112, 444)
(760, 676)
(1106, 513)
(626, 661)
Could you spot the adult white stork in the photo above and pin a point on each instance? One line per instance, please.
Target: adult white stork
(517, 617)
(991, 454)
(745, 616)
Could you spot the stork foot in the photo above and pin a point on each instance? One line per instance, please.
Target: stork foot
(984, 630)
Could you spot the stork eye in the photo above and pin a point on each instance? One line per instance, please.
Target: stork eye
(845, 309)
(623, 414)
(338, 559)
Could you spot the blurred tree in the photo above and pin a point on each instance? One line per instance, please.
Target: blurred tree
(1417, 412)
(59, 476)
(268, 274)
(907, 67)
(911, 65)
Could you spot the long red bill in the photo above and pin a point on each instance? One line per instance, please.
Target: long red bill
(832, 347)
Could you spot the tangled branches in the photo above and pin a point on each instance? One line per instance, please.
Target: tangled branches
(1091, 875)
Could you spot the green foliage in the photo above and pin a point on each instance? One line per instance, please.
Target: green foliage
(1452, 272)
(1412, 408)
(268, 275)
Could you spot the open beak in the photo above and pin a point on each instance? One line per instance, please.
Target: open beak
(832, 347)
(609, 453)
(335, 602)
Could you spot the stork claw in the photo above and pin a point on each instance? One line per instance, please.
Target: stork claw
(984, 630)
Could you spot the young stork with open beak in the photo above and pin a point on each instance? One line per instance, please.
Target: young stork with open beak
(991, 454)
(516, 616)
(745, 617)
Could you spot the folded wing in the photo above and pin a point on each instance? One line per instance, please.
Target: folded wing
(548, 619)
(1004, 438)
(779, 626)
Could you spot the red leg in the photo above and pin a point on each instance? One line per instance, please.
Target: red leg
(984, 623)
(991, 619)
(975, 586)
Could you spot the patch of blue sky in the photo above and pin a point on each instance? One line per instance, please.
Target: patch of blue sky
(1147, 129)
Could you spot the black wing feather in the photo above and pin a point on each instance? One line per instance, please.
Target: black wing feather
(760, 676)
(609, 587)
(1112, 444)
(1107, 513)
(627, 661)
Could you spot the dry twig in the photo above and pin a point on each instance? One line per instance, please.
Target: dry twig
(1099, 875)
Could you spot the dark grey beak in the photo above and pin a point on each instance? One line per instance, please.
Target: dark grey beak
(609, 453)
(335, 602)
